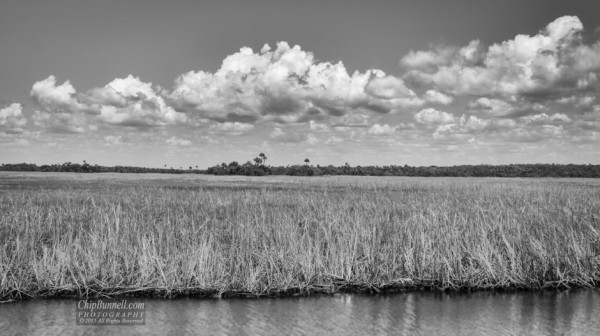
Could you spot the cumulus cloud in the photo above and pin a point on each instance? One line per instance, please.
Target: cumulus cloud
(113, 140)
(319, 127)
(440, 55)
(61, 121)
(178, 142)
(388, 87)
(284, 85)
(124, 101)
(528, 88)
(469, 125)
(47, 93)
(491, 107)
(544, 118)
(384, 129)
(433, 116)
(436, 97)
(527, 129)
(18, 142)
(287, 84)
(553, 62)
(232, 127)
(291, 136)
(12, 119)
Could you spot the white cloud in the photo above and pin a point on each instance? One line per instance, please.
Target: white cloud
(291, 136)
(47, 93)
(277, 132)
(437, 97)
(132, 87)
(491, 107)
(315, 126)
(433, 116)
(175, 141)
(428, 59)
(143, 107)
(286, 83)
(232, 127)
(12, 119)
(353, 120)
(528, 88)
(124, 101)
(113, 139)
(19, 142)
(311, 139)
(388, 87)
(333, 140)
(384, 129)
(544, 118)
(540, 64)
(60, 121)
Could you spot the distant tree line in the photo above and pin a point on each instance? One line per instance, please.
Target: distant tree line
(258, 167)
(88, 168)
(513, 170)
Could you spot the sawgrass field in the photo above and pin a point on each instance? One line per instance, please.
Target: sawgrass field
(88, 235)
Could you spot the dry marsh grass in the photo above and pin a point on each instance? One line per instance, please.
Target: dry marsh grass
(84, 235)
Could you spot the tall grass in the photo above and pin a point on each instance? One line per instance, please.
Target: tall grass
(297, 235)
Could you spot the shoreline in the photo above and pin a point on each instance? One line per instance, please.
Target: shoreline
(335, 288)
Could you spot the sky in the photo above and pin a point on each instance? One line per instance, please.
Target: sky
(196, 83)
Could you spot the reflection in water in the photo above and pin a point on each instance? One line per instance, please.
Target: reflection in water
(536, 313)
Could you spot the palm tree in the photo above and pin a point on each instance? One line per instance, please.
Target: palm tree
(306, 161)
(263, 157)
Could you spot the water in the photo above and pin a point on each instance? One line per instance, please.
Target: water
(532, 313)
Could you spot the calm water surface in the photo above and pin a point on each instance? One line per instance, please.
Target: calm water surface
(540, 313)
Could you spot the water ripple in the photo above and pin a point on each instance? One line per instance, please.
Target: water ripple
(531, 313)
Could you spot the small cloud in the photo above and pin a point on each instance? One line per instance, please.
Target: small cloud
(441, 55)
(15, 143)
(174, 141)
(277, 132)
(47, 94)
(232, 127)
(384, 129)
(333, 140)
(12, 119)
(315, 126)
(311, 139)
(113, 140)
(353, 120)
(491, 107)
(290, 136)
(436, 97)
(388, 87)
(433, 116)
(544, 118)
(22, 142)
(131, 88)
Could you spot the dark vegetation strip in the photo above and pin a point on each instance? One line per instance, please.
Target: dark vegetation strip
(346, 235)
(260, 169)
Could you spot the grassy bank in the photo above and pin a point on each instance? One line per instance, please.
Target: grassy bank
(62, 234)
